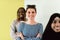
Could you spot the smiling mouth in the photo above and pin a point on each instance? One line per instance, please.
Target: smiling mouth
(57, 27)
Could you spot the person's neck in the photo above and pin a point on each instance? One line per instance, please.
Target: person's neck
(31, 22)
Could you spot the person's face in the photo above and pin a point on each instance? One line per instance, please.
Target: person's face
(30, 14)
(21, 12)
(56, 24)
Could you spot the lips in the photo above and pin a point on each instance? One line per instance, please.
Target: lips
(57, 28)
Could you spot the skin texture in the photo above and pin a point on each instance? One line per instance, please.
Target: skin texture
(30, 14)
(56, 24)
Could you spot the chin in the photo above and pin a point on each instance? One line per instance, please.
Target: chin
(57, 30)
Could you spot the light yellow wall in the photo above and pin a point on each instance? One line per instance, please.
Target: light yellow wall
(8, 10)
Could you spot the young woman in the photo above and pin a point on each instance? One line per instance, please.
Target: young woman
(21, 16)
(52, 31)
(30, 30)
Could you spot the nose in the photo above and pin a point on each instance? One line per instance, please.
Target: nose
(57, 24)
(31, 13)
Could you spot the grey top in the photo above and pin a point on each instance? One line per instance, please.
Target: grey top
(13, 29)
(30, 31)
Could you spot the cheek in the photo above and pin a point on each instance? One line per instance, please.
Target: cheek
(27, 15)
(59, 24)
(34, 15)
(55, 28)
(52, 26)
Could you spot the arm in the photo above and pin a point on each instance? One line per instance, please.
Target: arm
(19, 29)
(39, 35)
(40, 31)
(12, 31)
(21, 36)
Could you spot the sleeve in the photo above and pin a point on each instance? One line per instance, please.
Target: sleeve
(20, 27)
(40, 28)
(12, 31)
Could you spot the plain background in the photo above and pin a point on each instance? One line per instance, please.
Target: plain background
(8, 11)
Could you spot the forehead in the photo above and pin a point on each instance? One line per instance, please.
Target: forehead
(57, 18)
(31, 9)
(21, 10)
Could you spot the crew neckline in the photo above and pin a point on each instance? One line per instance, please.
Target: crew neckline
(31, 24)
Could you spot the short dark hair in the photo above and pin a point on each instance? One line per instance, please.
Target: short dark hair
(22, 11)
(31, 6)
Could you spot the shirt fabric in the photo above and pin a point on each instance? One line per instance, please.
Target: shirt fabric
(30, 31)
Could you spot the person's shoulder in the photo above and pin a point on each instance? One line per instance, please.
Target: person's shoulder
(21, 22)
(13, 21)
(40, 25)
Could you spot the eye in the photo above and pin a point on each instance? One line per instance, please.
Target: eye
(54, 21)
(32, 11)
(29, 12)
(59, 21)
